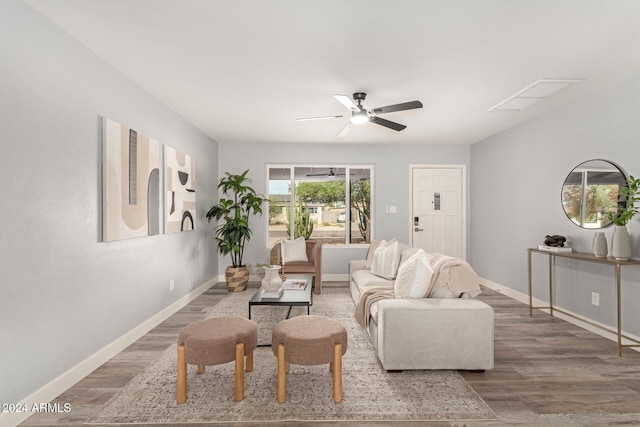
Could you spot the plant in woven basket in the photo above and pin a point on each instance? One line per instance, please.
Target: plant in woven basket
(232, 214)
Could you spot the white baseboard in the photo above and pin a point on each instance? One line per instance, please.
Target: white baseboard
(54, 388)
(524, 298)
(342, 277)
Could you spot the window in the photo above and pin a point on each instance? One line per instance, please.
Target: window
(312, 201)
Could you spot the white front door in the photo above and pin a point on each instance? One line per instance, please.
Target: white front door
(438, 210)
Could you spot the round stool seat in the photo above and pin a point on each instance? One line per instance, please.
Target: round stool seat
(309, 340)
(213, 341)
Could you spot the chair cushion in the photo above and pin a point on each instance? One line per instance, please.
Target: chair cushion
(294, 250)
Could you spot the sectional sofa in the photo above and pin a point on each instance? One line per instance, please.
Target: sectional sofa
(445, 328)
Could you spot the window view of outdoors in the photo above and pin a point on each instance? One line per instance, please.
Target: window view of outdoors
(589, 194)
(311, 202)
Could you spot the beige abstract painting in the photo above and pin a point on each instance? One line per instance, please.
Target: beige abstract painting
(131, 183)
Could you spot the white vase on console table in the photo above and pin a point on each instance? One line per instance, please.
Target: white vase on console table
(621, 244)
(600, 249)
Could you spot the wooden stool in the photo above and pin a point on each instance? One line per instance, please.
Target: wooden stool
(215, 341)
(309, 340)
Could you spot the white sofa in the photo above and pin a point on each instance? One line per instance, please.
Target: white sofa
(426, 333)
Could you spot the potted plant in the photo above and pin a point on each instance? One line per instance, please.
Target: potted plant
(621, 245)
(233, 231)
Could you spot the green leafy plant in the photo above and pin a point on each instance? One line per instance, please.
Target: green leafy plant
(234, 231)
(629, 192)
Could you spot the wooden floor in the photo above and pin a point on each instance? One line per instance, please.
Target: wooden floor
(547, 372)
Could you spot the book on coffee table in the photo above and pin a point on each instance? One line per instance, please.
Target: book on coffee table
(294, 284)
(271, 295)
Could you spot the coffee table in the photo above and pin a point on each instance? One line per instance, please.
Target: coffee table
(289, 297)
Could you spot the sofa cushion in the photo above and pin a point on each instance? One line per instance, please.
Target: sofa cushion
(386, 260)
(294, 250)
(414, 276)
(365, 279)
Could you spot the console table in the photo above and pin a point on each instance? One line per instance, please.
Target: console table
(581, 256)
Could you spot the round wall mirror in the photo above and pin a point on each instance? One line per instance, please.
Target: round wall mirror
(591, 191)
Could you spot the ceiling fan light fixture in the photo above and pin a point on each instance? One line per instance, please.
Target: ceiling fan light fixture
(360, 117)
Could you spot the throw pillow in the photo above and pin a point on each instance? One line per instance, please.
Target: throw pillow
(294, 250)
(414, 276)
(386, 259)
(372, 249)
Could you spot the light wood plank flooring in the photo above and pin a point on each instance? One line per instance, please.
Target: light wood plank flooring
(547, 372)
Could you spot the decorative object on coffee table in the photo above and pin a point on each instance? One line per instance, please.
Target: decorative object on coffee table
(234, 231)
(271, 281)
(621, 243)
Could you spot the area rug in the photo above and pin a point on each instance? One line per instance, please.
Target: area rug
(369, 392)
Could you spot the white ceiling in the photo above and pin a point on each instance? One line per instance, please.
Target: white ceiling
(244, 70)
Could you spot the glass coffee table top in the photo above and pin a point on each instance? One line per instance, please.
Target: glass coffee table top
(289, 297)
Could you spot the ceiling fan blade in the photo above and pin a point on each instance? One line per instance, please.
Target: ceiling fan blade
(304, 119)
(329, 173)
(347, 102)
(387, 123)
(345, 130)
(398, 107)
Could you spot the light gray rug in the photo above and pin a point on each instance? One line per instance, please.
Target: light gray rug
(369, 392)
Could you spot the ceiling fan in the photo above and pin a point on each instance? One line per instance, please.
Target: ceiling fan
(360, 115)
(331, 172)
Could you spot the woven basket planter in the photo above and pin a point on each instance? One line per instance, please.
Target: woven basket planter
(237, 278)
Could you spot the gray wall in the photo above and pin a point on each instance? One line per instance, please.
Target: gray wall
(391, 184)
(64, 295)
(516, 180)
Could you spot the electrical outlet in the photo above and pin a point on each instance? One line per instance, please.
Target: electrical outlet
(595, 298)
(172, 285)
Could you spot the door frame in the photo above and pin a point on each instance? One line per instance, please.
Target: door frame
(463, 169)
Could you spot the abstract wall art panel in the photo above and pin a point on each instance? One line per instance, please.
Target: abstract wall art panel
(180, 191)
(131, 183)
